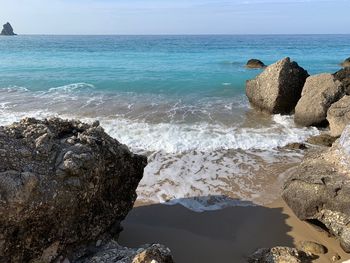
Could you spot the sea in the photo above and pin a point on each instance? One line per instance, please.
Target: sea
(180, 100)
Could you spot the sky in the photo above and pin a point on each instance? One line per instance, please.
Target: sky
(177, 16)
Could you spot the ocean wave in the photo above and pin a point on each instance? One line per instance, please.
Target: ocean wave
(72, 87)
(13, 89)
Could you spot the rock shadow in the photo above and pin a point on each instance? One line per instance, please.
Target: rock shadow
(230, 234)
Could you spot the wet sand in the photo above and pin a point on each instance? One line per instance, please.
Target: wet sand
(227, 235)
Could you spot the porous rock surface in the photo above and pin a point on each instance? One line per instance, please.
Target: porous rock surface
(338, 116)
(319, 93)
(62, 184)
(320, 189)
(278, 88)
(114, 253)
(280, 255)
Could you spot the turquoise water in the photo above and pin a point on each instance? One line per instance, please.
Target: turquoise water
(172, 65)
(178, 99)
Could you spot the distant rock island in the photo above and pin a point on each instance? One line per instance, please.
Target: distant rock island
(7, 30)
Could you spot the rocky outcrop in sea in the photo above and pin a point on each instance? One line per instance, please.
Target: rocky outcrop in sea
(65, 186)
(7, 30)
(278, 88)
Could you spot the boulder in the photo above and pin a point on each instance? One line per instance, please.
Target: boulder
(255, 64)
(338, 116)
(7, 30)
(343, 76)
(312, 247)
(319, 190)
(323, 139)
(62, 185)
(280, 255)
(346, 63)
(319, 93)
(278, 88)
(114, 253)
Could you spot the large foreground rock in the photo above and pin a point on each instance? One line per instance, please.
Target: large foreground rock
(320, 189)
(278, 88)
(7, 30)
(62, 184)
(338, 116)
(319, 93)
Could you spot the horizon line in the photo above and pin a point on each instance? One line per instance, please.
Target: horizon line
(190, 34)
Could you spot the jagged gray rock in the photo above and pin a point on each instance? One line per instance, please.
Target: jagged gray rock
(320, 189)
(338, 116)
(280, 255)
(278, 88)
(62, 184)
(7, 30)
(319, 93)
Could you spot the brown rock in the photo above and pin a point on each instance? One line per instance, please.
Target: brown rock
(319, 93)
(312, 247)
(255, 64)
(323, 139)
(319, 190)
(346, 63)
(338, 116)
(278, 88)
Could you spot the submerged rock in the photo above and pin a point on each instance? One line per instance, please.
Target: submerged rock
(338, 116)
(114, 253)
(62, 185)
(7, 30)
(255, 64)
(280, 255)
(320, 189)
(346, 63)
(319, 93)
(323, 139)
(278, 88)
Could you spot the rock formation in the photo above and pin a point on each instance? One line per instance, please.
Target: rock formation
(280, 255)
(319, 93)
(255, 64)
(320, 189)
(346, 63)
(343, 76)
(62, 185)
(338, 116)
(114, 253)
(7, 30)
(278, 88)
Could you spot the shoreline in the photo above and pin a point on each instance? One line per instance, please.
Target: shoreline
(227, 235)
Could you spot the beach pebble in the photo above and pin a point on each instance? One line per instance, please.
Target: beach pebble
(312, 247)
(335, 258)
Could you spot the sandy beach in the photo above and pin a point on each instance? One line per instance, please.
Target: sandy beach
(227, 235)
